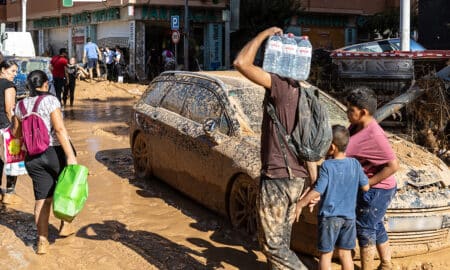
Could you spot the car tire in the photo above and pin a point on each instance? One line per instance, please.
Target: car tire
(141, 157)
(242, 204)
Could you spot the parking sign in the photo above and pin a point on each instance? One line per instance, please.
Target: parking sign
(175, 22)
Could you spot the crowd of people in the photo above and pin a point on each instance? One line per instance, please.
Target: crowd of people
(355, 185)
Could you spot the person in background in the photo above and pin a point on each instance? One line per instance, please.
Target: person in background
(109, 60)
(337, 185)
(69, 90)
(8, 70)
(168, 60)
(153, 63)
(370, 146)
(119, 63)
(58, 66)
(45, 168)
(91, 55)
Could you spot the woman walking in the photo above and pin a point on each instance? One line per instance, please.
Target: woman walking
(45, 168)
(8, 70)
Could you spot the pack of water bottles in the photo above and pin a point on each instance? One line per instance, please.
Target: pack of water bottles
(288, 56)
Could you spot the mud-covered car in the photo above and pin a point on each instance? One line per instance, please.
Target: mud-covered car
(25, 66)
(200, 133)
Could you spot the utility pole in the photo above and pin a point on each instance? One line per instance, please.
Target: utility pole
(24, 15)
(405, 21)
(186, 35)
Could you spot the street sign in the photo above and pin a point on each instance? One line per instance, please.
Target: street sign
(175, 37)
(175, 22)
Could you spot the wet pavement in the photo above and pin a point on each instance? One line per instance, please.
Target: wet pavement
(129, 223)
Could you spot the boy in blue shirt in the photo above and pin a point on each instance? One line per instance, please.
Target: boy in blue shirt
(337, 185)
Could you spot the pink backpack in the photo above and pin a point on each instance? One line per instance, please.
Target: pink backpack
(34, 131)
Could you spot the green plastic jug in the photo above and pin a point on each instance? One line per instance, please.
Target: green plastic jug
(71, 192)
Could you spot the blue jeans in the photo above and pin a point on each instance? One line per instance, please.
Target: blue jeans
(336, 231)
(371, 207)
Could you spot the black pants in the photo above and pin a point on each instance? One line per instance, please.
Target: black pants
(44, 170)
(69, 91)
(59, 86)
(109, 72)
(10, 180)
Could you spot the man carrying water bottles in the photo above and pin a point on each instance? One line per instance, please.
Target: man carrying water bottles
(278, 193)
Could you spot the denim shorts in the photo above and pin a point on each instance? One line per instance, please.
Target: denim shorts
(92, 62)
(336, 232)
(371, 207)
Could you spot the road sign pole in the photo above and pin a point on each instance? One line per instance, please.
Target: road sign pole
(186, 35)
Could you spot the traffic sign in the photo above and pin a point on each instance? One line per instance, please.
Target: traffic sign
(175, 37)
(175, 22)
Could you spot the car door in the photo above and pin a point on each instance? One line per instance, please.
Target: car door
(200, 157)
(156, 123)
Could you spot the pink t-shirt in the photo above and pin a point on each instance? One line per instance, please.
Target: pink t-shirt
(371, 148)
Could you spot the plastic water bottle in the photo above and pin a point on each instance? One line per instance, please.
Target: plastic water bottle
(287, 58)
(302, 61)
(272, 54)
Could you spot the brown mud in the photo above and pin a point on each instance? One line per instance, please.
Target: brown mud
(129, 223)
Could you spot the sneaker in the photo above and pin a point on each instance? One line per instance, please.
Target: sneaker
(42, 245)
(11, 198)
(66, 229)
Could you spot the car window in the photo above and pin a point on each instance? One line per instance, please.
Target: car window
(156, 92)
(202, 104)
(371, 47)
(174, 99)
(35, 65)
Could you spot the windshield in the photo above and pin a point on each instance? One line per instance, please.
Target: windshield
(30, 65)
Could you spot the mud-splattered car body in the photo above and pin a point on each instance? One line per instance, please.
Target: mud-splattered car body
(200, 132)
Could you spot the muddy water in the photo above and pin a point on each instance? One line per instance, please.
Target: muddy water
(129, 223)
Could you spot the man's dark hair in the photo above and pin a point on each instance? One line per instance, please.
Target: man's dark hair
(341, 137)
(63, 50)
(88, 39)
(364, 98)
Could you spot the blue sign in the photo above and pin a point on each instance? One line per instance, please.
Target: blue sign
(175, 22)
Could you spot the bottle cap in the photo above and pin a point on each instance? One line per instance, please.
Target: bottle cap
(290, 35)
(305, 37)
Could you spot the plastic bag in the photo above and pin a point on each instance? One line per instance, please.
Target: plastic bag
(11, 148)
(71, 192)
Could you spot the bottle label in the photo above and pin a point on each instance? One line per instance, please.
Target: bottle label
(275, 46)
(290, 49)
(304, 51)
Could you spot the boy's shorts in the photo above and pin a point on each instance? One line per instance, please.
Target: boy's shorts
(92, 62)
(336, 232)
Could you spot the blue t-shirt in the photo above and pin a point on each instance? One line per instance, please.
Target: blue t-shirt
(91, 50)
(338, 184)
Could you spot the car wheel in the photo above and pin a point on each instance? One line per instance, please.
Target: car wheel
(243, 212)
(141, 157)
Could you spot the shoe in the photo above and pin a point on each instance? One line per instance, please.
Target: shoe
(11, 198)
(66, 229)
(42, 245)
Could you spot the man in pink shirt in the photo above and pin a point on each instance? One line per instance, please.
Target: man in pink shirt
(370, 146)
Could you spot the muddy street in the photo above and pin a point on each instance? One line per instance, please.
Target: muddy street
(129, 223)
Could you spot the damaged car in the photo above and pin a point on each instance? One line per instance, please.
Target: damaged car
(200, 133)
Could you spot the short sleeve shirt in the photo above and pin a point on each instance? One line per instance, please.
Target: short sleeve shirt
(4, 84)
(59, 64)
(338, 184)
(91, 50)
(48, 104)
(371, 148)
(284, 96)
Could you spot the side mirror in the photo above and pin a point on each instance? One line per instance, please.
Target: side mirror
(209, 126)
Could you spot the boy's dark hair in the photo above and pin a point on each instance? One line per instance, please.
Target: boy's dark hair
(88, 39)
(63, 50)
(364, 98)
(340, 137)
